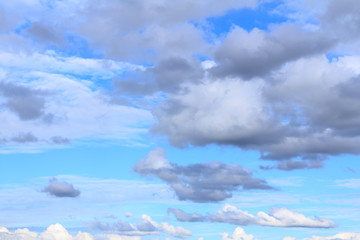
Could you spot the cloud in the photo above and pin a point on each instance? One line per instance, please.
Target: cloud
(206, 182)
(146, 227)
(238, 234)
(186, 217)
(24, 138)
(159, 29)
(48, 96)
(278, 117)
(56, 232)
(290, 165)
(61, 189)
(339, 236)
(349, 183)
(44, 33)
(168, 75)
(277, 217)
(26, 103)
(260, 52)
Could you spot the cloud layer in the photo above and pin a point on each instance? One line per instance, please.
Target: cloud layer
(55, 232)
(277, 217)
(206, 182)
(146, 227)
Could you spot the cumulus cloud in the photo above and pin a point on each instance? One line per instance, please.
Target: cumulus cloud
(277, 217)
(147, 226)
(260, 52)
(61, 189)
(206, 182)
(238, 234)
(162, 26)
(56, 232)
(279, 119)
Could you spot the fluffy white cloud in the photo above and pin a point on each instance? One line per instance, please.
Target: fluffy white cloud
(238, 234)
(56, 232)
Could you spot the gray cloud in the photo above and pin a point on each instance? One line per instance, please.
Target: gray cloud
(149, 29)
(28, 104)
(61, 189)
(186, 217)
(309, 112)
(25, 138)
(277, 217)
(256, 53)
(206, 182)
(342, 19)
(44, 33)
(289, 165)
(60, 140)
(146, 227)
(166, 76)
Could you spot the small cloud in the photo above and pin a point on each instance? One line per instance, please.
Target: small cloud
(61, 189)
(60, 140)
(25, 138)
(290, 165)
(128, 214)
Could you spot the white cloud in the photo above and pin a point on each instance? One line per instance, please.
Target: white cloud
(349, 183)
(238, 234)
(277, 217)
(57, 232)
(339, 236)
(68, 102)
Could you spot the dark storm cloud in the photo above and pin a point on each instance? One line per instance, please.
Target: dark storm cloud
(61, 189)
(27, 103)
(277, 217)
(206, 182)
(166, 76)
(257, 53)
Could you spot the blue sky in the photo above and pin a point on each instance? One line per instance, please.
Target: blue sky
(205, 120)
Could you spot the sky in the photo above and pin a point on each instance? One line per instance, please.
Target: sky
(180, 119)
